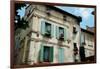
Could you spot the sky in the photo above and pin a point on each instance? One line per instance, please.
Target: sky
(85, 13)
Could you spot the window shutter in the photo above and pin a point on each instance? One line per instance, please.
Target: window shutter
(17, 43)
(82, 38)
(65, 34)
(61, 55)
(42, 27)
(51, 54)
(57, 32)
(52, 30)
(41, 52)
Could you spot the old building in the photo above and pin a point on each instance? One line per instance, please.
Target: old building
(91, 29)
(87, 46)
(53, 36)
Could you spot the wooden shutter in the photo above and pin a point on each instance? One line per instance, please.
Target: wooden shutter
(42, 27)
(51, 54)
(41, 52)
(82, 38)
(61, 55)
(57, 32)
(65, 34)
(52, 30)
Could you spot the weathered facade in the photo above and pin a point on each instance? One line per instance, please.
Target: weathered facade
(87, 45)
(53, 36)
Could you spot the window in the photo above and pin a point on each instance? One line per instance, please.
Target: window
(74, 30)
(82, 53)
(90, 41)
(48, 11)
(75, 46)
(47, 29)
(83, 39)
(64, 18)
(75, 52)
(75, 49)
(46, 54)
(61, 33)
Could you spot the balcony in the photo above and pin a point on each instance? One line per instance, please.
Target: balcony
(48, 34)
(61, 37)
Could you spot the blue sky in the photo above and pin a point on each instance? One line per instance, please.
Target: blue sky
(21, 11)
(85, 13)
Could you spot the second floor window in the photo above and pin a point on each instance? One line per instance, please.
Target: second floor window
(61, 33)
(74, 30)
(47, 29)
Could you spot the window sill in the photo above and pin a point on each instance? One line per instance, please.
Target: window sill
(61, 39)
(47, 35)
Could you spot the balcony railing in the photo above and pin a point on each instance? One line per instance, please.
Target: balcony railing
(61, 37)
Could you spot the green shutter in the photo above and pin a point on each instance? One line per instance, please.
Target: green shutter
(57, 32)
(52, 30)
(42, 27)
(82, 38)
(51, 54)
(41, 52)
(65, 34)
(61, 55)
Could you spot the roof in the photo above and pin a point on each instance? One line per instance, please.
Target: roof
(87, 31)
(90, 28)
(64, 12)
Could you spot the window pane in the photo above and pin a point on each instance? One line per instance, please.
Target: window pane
(46, 53)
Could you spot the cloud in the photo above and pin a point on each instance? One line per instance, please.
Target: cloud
(85, 13)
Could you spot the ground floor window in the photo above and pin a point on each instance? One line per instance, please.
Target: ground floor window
(46, 54)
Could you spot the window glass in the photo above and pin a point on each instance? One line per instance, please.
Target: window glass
(46, 53)
(61, 31)
(48, 27)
